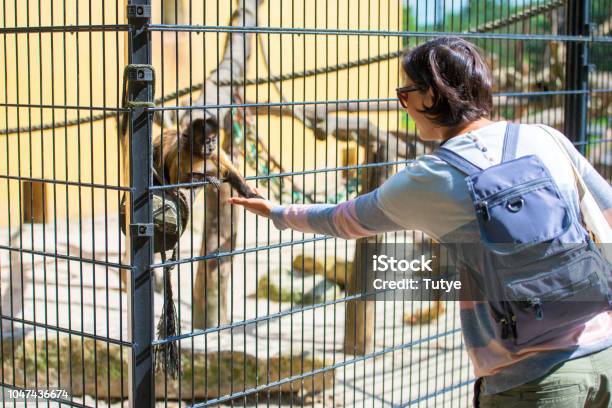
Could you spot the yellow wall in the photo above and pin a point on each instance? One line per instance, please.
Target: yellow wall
(77, 69)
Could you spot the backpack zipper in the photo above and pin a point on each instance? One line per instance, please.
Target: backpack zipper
(504, 328)
(557, 293)
(536, 303)
(501, 195)
(484, 210)
(484, 205)
(508, 321)
(513, 326)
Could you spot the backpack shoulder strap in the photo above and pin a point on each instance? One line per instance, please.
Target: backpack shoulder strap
(510, 142)
(457, 161)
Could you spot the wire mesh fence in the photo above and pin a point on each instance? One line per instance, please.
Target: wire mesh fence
(145, 116)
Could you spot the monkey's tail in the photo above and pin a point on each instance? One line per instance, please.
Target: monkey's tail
(167, 357)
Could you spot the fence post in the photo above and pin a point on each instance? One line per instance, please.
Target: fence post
(359, 322)
(577, 22)
(140, 92)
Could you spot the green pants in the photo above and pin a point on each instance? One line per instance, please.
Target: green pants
(581, 382)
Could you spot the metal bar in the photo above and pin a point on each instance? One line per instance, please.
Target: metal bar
(65, 29)
(64, 182)
(268, 317)
(255, 81)
(141, 384)
(577, 19)
(60, 329)
(77, 107)
(287, 174)
(408, 34)
(65, 257)
(327, 368)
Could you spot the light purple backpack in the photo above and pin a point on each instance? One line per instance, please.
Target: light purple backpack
(541, 272)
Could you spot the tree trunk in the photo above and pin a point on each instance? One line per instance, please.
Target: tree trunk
(221, 223)
(359, 314)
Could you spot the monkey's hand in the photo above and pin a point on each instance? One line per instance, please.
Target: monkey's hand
(199, 177)
(252, 192)
(253, 195)
(214, 181)
(247, 194)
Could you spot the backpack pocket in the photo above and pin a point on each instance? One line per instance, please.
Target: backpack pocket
(545, 304)
(518, 212)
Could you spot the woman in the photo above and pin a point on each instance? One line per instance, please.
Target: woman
(447, 92)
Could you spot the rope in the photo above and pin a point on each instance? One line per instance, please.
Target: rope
(515, 18)
(497, 24)
(167, 357)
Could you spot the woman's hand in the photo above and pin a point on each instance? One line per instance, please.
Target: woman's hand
(259, 206)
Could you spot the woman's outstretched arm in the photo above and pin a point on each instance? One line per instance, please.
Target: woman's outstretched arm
(356, 218)
(426, 195)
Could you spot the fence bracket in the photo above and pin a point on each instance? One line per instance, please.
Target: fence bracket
(141, 73)
(139, 11)
(140, 76)
(141, 230)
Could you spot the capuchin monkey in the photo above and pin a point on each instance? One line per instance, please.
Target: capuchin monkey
(193, 156)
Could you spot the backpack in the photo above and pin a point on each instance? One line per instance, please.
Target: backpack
(170, 208)
(541, 272)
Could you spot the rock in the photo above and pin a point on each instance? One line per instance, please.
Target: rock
(323, 291)
(425, 315)
(99, 369)
(308, 265)
(334, 269)
(342, 270)
(296, 287)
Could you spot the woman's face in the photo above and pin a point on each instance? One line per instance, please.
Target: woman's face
(415, 101)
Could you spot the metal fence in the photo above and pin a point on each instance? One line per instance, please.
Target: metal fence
(301, 97)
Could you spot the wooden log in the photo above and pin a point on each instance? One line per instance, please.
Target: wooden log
(221, 223)
(354, 128)
(359, 320)
(33, 202)
(436, 307)
(210, 301)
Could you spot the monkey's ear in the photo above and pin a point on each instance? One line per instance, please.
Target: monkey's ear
(200, 128)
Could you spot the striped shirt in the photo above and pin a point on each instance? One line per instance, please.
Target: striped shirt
(431, 196)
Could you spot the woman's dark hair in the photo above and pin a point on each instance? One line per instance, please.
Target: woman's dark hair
(458, 76)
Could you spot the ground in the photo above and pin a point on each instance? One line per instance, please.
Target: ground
(412, 364)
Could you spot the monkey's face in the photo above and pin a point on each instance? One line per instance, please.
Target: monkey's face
(204, 135)
(210, 144)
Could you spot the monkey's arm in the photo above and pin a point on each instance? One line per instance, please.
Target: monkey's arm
(232, 176)
(228, 172)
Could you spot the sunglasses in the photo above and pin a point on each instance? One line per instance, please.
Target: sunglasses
(403, 90)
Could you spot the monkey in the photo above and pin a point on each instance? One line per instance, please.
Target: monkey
(200, 159)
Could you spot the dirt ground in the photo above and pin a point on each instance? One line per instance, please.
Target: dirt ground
(414, 365)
